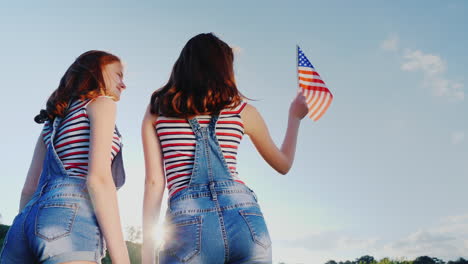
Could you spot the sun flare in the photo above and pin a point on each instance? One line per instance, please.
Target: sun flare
(159, 232)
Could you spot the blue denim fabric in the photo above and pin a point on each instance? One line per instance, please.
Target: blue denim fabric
(58, 224)
(117, 166)
(215, 219)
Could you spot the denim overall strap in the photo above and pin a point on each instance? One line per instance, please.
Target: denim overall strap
(209, 166)
(52, 166)
(117, 166)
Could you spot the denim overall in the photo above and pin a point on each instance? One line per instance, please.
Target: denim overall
(215, 219)
(58, 224)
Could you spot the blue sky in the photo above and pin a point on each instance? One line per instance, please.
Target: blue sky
(384, 172)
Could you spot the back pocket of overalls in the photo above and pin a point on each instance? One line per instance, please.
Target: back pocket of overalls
(183, 239)
(55, 220)
(257, 227)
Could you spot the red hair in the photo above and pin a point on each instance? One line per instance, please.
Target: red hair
(83, 80)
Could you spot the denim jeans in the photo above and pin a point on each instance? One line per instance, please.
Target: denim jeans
(215, 219)
(58, 224)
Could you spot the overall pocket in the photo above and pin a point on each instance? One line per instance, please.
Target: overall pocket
(257, 227)
(183, 239)
(55, 220)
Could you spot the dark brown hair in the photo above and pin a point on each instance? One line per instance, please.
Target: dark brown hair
(83, 80)
(202, 80)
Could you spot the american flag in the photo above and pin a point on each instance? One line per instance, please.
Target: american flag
(314, 89)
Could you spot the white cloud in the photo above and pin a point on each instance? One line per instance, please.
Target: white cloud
(322, 246)
(454, 224)
(447, 240)
(330, 240)
(391, 43)
(432, 66)
(444, 88)
(457, 88)
(428, 63)
(425, 242)
(458, 137)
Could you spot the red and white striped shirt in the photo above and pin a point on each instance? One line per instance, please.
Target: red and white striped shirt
(178, 144)
(72, 139)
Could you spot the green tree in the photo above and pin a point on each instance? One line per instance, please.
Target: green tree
(459, 261)
(3, 232)
(424, 260)
(366, 260)
(438, 261)
(134, 234)
(134, 252)
(386, 261)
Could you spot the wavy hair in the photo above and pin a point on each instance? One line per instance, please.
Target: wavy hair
(202, 80)
(83, 80)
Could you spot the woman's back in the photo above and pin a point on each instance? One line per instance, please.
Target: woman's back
(213, 217)
(71, 140)
(68, 208)
(178, 143)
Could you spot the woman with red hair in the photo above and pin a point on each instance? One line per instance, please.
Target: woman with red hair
(68, 208)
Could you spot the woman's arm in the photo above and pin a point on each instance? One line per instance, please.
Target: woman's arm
(279, 159)
(155, 183)
(34, 173)
(101, 113)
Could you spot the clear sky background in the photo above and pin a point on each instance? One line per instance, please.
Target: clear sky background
(384, 172)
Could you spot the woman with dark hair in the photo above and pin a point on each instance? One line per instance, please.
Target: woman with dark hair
(68, 208)
(191, 132)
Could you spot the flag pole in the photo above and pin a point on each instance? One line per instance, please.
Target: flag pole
(297, 67)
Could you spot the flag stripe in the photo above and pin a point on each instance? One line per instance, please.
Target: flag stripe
(325, 108)
(310, 80)
(324, 97)
(314, 87)
(318, 96)
(308, 71)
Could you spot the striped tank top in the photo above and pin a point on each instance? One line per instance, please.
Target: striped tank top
(178, 144)
(72, 139)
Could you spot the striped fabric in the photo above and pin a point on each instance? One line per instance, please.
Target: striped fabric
(72, 139)
(178, 144)
(313, 87)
